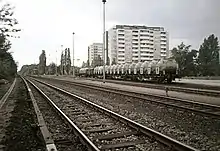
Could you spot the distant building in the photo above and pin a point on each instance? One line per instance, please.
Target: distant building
(95, 52)
(137, 43)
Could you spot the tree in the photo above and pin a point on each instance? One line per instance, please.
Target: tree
(84, 65)
(186, 59)
(8, 67)
(68, 61)
(7, 20)
(208, 59)
(52, 68)
(97, 61)
(108, 61)
(42, 63)
(114, 61)
(62, 64)
(87, 63)
(65, 62)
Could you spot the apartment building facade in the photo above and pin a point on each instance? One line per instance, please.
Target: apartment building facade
(137, 43)
(94, 51)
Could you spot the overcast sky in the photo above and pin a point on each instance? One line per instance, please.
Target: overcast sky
(48, 24)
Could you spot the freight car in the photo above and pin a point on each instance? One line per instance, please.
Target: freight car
(160, 71)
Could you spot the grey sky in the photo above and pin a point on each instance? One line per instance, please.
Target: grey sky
(48, 24)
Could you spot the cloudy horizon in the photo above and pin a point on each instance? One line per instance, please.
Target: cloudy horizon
(46, 25)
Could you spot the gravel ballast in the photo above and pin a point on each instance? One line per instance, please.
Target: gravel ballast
(199, 131)
(67, 104)
(19, 122)
(3, 89)
(64, 138)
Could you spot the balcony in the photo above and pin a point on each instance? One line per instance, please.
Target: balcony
(163, 37)
(134, 37)
(135, 41)
(121, 35)
(162, 46)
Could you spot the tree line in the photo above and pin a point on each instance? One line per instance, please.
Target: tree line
(202, 62)
(8, 67)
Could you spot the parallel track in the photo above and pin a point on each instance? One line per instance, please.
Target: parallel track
(5, 97)
(196, 107)
(50, 146)
(200, 90)
(87, 117)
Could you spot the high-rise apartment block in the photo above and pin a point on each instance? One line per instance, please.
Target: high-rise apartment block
(137, 44)
(95, 50)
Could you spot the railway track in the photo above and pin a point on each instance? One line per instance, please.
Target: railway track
(102, 129)
(5, 97)
(196, 107)
(50, 146)
(3, 110)
(201, 90)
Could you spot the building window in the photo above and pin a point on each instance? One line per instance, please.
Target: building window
(121, 47)
(135, 31)
(144, 47)
(144, 52)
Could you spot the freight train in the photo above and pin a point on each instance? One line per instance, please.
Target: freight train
(160, 71)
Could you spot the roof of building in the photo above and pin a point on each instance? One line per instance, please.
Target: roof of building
(138, 27)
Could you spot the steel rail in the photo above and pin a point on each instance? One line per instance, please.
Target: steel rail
(5, 97)
(199, 91)
(172, 143)
(50, 146)
(172, 104)
(84, 139)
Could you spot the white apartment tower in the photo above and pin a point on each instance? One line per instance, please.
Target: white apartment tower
(137, 43)
(95, 50)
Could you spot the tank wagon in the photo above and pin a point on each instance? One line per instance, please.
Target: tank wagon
(86, 72)
(160, 71)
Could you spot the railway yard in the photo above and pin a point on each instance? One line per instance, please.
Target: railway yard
(65, 114)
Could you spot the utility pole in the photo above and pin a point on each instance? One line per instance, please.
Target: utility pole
(104, 1)
(73, 57)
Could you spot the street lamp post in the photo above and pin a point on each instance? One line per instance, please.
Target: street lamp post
(104, 1)
(73, 56)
